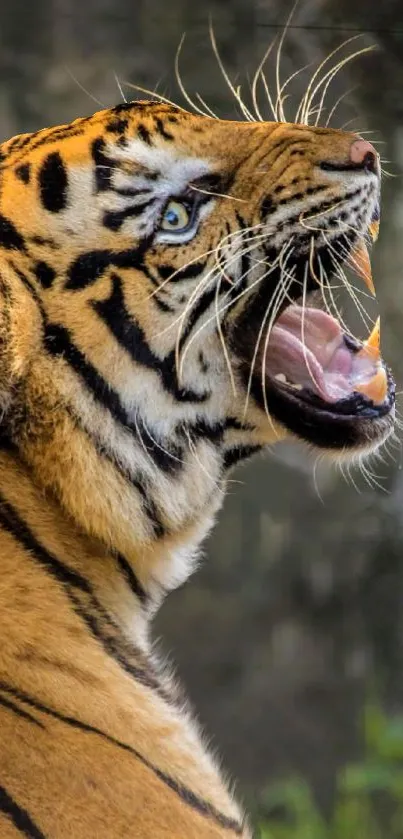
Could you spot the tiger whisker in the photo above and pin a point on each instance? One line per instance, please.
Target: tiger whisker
(246, 112)
(120, 88)
(330, 75)
(207, 107)
(268, 94)
(154, 94)
(195, 259)
(305, 103)
(181, 86)
(212, 478)
(222, 338)
(255, 81)
(84, 89)
(224, 308)
(271, 311)
(155, 443)
(218, 194)
(323, 274)
(304, 219)
(272, 319)
(235, 257)
(342, 276)
(313, 89)
(303, 342)
(233, 300)
(336, 105)
(279, 109)
(335, 257)
(259, 280)
(294, 75)
(188, 307)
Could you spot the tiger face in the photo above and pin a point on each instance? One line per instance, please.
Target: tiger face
(169, 260)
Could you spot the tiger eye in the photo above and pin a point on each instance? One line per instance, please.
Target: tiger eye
(176, 217)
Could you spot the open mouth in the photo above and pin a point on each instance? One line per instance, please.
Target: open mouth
(322, 384)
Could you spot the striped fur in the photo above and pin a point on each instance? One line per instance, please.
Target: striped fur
(119, 423)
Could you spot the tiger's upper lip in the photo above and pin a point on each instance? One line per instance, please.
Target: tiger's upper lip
(348, 166)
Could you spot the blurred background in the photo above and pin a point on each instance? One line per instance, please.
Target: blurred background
(290, 638)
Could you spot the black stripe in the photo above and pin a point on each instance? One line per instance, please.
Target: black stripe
(10, 238)
(30, 288)
(113, 219)
(267, 207)
(169, 460)
(11, 521)
(86, 605)
(42, 240)
(131, 578)
(53, 183)
(237, 453)
(48, 136)
(131, 191)
(162, 130)
(6, 703)
(19, 142)
(104, 165)
(89, 266)
(283, 144)
(144, 134)
(58, 342)
(300, 196)
(239, 286)
(169, 273)
(131, 337)
(161, 304)
(44, 273)
(23, 172)
(18, 816)
(319, 209)
(186, 795)
(138, 481)
(117, 125)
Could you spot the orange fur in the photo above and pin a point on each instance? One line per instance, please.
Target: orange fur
(95, 518)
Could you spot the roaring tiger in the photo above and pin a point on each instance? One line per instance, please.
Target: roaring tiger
(157, 326)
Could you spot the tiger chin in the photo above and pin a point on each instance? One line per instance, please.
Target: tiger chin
(165, 281)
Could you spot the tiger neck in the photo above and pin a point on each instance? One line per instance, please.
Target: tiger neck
(65, 503)
(102, 482)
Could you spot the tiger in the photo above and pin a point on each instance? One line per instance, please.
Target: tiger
(160, 323)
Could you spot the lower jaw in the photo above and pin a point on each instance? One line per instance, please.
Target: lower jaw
(330, 427)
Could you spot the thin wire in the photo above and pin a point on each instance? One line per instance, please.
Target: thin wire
(314, 27)
(259, 24)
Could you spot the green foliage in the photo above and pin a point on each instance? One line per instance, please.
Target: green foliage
(369, 795)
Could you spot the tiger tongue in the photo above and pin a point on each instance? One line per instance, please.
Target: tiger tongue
(360, 262)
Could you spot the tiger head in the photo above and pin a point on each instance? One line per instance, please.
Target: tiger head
(157, 270)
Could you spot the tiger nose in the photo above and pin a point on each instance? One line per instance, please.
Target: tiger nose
(364, 156)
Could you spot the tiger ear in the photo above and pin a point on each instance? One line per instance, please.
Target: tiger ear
(20, 331)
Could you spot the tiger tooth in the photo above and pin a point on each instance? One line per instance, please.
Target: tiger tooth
(280, 377)
(377, 388)
(374, 339)
(361, 264)
(372, 346)
(374, 230)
